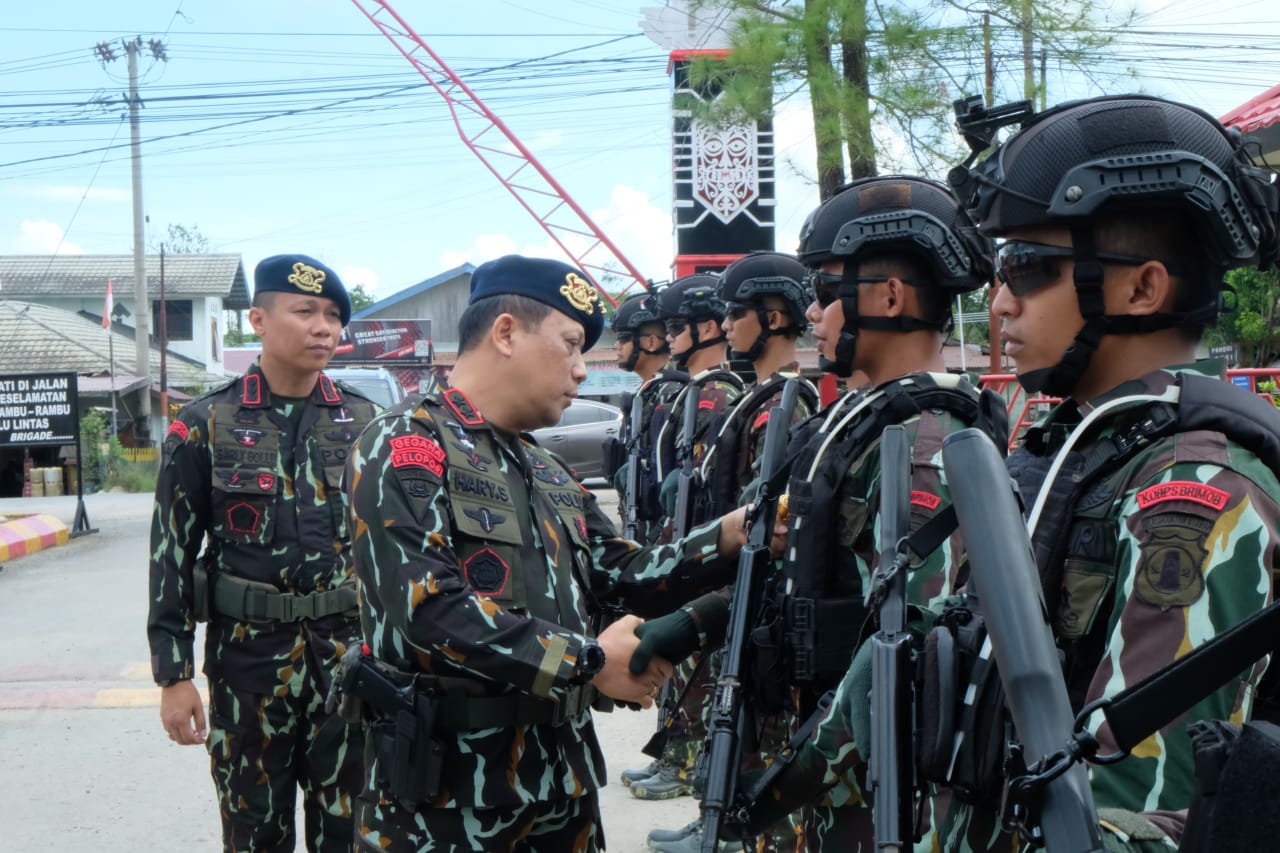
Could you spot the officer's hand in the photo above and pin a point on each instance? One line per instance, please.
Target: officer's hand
(673, 637)
(182, 713)
(616, 680)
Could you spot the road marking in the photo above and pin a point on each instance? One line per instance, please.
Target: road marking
(86, 686)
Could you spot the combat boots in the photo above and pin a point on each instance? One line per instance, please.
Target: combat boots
(629, 776)
(668, 783)
(687, 839)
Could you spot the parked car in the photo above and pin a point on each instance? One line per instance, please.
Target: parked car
(580, 435)
(376, 383)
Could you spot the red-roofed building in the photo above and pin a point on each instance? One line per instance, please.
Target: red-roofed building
(1260, 118)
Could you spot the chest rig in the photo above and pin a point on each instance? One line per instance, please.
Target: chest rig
(517, 515)
(815, 615)
(728, 466)
(668, 450)
(260, 536)
(1073, 488)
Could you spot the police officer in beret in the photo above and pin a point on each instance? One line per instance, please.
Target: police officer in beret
(485, 569)
(252, 473)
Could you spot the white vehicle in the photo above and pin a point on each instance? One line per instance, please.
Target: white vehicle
(377, 383)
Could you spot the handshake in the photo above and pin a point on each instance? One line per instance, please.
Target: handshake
(639, 655)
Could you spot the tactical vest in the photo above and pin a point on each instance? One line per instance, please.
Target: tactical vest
(1073, 538)
(815, 621)
(253, 537)
(495, 514)
(667, 451)
(727, 466)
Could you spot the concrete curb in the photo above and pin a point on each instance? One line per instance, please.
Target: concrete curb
(30, 533)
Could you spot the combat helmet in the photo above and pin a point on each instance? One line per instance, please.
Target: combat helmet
(629, 317)
(693, 298)
(1074, 162)
(748, 280)
(894, 215)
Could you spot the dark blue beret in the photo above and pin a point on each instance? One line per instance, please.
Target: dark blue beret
(304, 275)
(564, 288)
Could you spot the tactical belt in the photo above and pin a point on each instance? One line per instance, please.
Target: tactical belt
(458, 711)
(249, 601)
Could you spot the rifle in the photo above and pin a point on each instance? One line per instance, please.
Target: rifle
(891, 768)
(723, 753)
(631, 498)
(682, 520)
(1004, 575)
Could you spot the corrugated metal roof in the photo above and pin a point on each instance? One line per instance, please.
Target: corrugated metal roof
(37, 337)
(34, 276)
(1256, 113)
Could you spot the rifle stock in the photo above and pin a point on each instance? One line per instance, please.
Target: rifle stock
(682, 520)
(891, 766)
(1007, 582)
(722, 757)
(631, 521)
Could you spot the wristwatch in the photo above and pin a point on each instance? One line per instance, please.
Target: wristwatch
(590, 662)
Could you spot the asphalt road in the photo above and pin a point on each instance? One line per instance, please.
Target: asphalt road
(84, 765)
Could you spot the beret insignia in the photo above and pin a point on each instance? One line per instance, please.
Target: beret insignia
(580, 293)
(308, 278)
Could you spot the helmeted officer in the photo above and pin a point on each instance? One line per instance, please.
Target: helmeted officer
(1119, 218)
(252, 471)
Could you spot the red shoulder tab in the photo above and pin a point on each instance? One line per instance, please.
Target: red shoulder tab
(1183, 490)
(251, 390)
(925, 499)
(179, 429)
(417, 451)
(706, 404)
(328, 390)
(761, 419)
(462, 407)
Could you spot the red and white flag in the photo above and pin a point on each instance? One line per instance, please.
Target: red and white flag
(106, 308)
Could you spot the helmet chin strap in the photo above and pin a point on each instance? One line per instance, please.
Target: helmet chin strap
(847, 344)
(1061, 379)
(682, 359)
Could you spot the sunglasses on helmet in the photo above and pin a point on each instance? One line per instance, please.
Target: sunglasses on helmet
(1025, 267)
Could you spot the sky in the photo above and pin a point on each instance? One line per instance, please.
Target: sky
(295, 126)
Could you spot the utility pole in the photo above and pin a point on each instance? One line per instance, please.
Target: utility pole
(142, 303)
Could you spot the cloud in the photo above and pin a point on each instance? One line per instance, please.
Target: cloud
(486, 247)
(353, 275)
(64, 193)
(41, 237)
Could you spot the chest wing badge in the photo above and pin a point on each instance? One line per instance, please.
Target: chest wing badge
(485, 517)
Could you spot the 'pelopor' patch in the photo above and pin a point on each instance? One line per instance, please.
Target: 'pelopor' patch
(417, 451)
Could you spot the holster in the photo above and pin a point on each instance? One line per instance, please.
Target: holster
(200, 590)
(410, 757)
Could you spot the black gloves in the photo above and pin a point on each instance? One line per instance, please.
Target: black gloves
(674, 637)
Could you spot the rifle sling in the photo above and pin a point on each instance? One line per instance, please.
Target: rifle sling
(1136, 713)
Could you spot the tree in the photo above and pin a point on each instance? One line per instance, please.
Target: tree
(881, 77)
(1252, 325)
(182, 240)
(360, 298)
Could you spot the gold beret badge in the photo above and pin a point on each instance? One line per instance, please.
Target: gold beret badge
(580, 293)
(308, 278)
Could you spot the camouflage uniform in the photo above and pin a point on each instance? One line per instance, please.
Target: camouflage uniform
(656, 396)
(689, 689)
(830, 769)
(1176, 546)
(268, 495)
(483, 566)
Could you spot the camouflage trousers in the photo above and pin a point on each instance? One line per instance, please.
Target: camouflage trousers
(262, 748)
(552, 826)
(690, 690)
(684, 748)
(970, 830)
